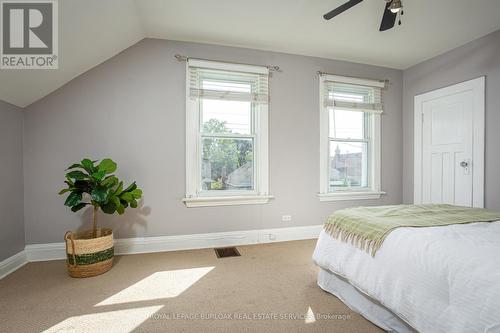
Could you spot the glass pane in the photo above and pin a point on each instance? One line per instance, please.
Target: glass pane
(227, 164)
(348, 165)
(346, 124)
(222, 116)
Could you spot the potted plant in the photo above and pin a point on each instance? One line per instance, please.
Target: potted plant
(89, 183)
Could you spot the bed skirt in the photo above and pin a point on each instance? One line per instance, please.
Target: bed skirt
(362, 304)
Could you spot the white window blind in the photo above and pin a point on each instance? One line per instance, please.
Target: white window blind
(209, 83)
(352, 97)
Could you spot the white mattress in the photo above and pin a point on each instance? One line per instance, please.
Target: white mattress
(440, 279)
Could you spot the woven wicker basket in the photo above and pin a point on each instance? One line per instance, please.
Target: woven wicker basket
(88, 256)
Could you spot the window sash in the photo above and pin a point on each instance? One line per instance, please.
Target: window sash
(253, 110)
(367, 139)
(365, 168)
(366, 126)
(233, 192)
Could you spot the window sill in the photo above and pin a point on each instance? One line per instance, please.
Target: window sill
(226, 201)
(342, 196)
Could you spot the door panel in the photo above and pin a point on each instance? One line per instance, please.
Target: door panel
(435, 180)
(447, 121)
(448, 178)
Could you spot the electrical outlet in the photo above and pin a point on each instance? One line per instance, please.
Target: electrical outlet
(286, 218)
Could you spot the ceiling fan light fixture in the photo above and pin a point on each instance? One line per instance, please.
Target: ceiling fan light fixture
(395, 6)
(392, 10)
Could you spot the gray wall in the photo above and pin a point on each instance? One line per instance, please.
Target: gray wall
(477, 58)
(11, 181)
(132, 109)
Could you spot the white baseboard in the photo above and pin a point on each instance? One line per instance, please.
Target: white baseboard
(56, 251)
(45, 252)
(13, 263)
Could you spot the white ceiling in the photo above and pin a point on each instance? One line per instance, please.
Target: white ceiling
(91, 31)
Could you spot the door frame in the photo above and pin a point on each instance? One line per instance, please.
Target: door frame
(477, 86)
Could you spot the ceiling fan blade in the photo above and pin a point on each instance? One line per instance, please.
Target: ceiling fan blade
(341, 9)
(389, 18)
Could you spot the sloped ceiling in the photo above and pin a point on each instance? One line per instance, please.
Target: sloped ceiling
(91, 31)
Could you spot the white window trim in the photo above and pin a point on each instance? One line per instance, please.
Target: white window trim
(374, 192)
(210, 201)
(193, 196)
(351, 195)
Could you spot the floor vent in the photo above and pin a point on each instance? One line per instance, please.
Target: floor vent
(225, 252)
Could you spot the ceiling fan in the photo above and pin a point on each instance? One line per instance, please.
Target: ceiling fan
(391, 11)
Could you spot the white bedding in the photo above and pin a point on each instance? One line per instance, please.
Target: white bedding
(438, 279)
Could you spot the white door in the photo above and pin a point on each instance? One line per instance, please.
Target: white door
(449, 145)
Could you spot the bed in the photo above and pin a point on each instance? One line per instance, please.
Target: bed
(432, 279)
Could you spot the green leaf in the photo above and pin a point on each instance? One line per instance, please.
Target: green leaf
(137, 193)
(110, 181)
(73, 199)
(100, 194)
(64, 190)
(109, 207)
(88, 165)
(115, 199)
(74, 166)
(131, 187)
(120, 209)
(79, 206)
(83, 185)
(78, 175)
(119, 188)
(69, 181)
(107, 165)
(127, 196)
(133, 203)
(99, 174)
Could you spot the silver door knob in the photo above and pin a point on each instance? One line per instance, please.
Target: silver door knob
(464, 164)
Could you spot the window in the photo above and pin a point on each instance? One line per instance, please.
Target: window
(226, 134)
(350, 138)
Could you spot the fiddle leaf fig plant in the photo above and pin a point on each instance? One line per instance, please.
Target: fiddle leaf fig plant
(93, 183)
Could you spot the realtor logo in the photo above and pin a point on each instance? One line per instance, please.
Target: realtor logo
(28, 34)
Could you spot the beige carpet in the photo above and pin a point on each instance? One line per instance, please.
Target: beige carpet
(270, 288)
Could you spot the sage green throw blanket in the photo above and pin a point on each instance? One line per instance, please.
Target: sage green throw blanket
(367, 227)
